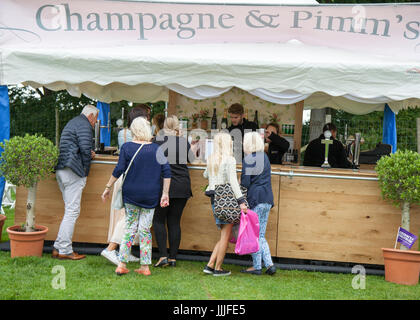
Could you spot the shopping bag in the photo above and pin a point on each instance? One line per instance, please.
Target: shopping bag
(248, 235)
(117, 202)
(234, 235)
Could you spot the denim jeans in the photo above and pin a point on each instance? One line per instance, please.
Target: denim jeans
(263, 255)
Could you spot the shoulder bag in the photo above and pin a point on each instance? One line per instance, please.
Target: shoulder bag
(117, 202)
(226, 206)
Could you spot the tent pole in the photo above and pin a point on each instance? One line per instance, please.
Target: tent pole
(297, 137)
(172, 103)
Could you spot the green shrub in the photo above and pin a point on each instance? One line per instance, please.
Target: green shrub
(24, 162)
(399, 180)
(27, 160)
(399, 177)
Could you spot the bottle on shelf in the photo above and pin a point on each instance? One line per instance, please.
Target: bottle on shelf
(295, 156)
(214, 120)
(256, 118)
(246, 114)
(224, 123)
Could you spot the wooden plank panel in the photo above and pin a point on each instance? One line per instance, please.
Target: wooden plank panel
(199, 231)
(92, 224)
(337, 220)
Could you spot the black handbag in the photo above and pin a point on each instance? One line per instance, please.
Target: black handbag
(226, 205)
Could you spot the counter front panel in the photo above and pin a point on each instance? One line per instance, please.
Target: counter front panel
(332, 215)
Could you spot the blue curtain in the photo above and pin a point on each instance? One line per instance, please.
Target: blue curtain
(4, 127)
(104, 112)
(389, 128)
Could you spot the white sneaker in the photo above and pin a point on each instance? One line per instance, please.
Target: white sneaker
(132, 258)
(111, 256)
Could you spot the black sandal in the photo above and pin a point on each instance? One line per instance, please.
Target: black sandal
(163, 263)
(172, 263)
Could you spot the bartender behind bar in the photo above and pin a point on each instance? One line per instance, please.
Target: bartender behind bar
(239, 122)
(315, 152)
(277, 146)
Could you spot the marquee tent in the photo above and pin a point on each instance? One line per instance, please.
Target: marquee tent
(268, 50)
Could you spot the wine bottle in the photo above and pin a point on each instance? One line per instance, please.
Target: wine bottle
(256, 118)
(214, 120)
(224, 123)
(246, 114)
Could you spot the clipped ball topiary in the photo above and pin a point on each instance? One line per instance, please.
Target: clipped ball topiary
(399, 180)
(24, 162)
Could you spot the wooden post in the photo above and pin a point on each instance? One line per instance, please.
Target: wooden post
(172, 103)
(418, 135)
(57, 127)
(297, 137)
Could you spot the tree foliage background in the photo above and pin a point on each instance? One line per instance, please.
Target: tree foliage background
(34, 111)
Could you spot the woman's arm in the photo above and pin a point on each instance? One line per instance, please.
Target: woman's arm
(118, 170)
(233, 180)
(108, 187)
(164, 200)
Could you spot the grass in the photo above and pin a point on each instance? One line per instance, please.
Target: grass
(32, 278)
(94, 278)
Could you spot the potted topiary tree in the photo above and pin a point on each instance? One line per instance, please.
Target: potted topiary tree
(399, 180)
(24, 162)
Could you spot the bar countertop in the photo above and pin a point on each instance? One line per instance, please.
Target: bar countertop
(366, 171)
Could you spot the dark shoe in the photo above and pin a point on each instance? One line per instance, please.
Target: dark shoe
(172, 263)
(208, 270)
(221, 273)
(256, 272)
(163, 263)
(271, 270)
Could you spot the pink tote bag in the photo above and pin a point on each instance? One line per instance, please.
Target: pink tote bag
(248, 234)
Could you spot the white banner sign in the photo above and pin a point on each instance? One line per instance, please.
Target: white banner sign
(384, 29)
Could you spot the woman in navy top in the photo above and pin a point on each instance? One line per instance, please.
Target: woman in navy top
(256, 177)
(141, 191)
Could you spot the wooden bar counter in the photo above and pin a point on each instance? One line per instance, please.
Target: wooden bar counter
(331, 215)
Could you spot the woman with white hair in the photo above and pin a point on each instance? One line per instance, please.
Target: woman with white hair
(221, 169)
(177, 151)
(141, 191)
(256, 177)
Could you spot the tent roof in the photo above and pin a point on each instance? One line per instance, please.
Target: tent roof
(240, 2)
(110, 56)
(283, 73)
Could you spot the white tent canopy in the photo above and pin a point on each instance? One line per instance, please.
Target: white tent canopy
(279, 72)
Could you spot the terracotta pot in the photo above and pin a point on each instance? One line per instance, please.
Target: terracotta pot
(402, 266)
(194, 125)
(2, 220)
(24, 244)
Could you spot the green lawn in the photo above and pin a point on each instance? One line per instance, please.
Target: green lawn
(10, 221)
(94, 278)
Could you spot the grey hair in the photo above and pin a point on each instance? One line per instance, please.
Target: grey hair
(89, 109)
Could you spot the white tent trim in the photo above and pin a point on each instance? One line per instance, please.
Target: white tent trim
(282, 73)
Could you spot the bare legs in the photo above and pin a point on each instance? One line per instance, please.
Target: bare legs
(219, 251)
(112, 246)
